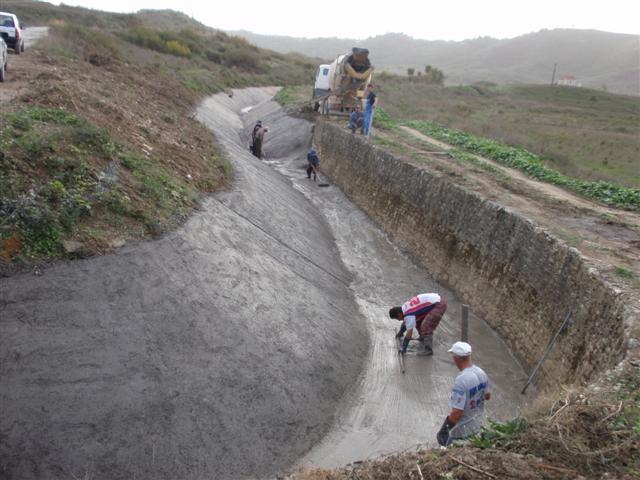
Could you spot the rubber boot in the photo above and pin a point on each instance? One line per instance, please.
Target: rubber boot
(427, 350)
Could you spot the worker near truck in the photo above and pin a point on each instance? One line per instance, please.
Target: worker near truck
(355, 119)
(470, 390)
(423, 313)
(372, 101)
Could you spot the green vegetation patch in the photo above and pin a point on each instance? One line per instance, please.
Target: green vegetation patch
(57, 170)
(531, 165)
(499, 435)
(383, 120)
(623, 272)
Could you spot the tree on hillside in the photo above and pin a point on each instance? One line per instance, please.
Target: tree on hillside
(411, 71)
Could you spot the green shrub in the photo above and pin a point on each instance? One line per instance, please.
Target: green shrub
(243, 58)
(96, 139)
(87, 41)
(498, 434)
(174, 47)
(384, 120)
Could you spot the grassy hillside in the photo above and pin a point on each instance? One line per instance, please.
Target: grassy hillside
(596, 58)
(588, 134)
(98, 146)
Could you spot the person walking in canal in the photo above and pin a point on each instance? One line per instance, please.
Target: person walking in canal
(258, 138)
(470, 390)
(313, 164)
(422, 312)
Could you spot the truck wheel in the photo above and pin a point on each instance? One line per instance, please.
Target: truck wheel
(17, 49)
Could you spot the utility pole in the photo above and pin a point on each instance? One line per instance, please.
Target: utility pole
(553, 76)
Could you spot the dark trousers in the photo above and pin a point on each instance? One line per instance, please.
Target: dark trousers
(309, 171)
(257, 148)
(427, 325)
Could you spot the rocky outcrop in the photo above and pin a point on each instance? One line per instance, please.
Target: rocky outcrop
(516, 275)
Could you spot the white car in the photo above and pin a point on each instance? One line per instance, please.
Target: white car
(11, 32)
(3, 59)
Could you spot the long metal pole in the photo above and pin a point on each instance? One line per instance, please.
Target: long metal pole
(546, 352)
(398, 344)
(464, 327)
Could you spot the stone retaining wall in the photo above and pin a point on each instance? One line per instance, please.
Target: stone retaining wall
(513, 273)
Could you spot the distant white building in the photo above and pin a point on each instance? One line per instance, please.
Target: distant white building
(569, 81)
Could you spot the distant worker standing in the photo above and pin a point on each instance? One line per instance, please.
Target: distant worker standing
(258, 138)
(313, 164)
(355, 119)
(469, 392)
(372, 101)
(423, 312)
(256, 127)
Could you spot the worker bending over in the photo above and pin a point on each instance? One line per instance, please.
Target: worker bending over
(423, 312)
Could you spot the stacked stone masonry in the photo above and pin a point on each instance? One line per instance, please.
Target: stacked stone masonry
(514, 274)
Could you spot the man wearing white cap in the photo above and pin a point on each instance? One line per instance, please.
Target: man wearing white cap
(469, 392)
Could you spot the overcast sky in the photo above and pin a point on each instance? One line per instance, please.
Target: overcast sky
(441, 20)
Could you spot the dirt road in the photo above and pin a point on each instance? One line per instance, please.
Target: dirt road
(21, 67)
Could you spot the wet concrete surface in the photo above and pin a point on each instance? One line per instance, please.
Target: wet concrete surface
(217, 351)
(228, 348)
(386, 411)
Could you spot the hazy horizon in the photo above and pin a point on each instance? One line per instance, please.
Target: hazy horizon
(456, 21)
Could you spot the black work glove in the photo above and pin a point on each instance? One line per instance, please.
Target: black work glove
(443, 436)
(405, 344)
(400, 333)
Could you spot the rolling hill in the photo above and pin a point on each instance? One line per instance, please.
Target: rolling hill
(599, 60)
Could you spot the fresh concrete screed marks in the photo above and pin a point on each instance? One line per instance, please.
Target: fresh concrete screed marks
(127, 364)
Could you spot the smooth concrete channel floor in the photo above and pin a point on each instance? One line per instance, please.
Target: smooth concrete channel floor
(385, 411)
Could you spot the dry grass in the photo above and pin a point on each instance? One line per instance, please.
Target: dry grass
(583, 133)
(592, 432)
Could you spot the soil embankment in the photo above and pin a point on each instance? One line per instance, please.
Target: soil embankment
(218, 351)
(514, 273)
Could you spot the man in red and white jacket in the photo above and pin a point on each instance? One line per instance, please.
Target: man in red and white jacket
(423, 312)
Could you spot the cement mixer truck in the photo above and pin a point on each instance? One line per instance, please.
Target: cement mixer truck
(340, 85)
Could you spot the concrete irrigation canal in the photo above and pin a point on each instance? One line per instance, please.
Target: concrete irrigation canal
(252, 340)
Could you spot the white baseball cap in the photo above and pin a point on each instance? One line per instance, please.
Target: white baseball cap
(460, 349)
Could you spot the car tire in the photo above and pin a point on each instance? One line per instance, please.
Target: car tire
(17, 49)
(2, 70)
(22, 46)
